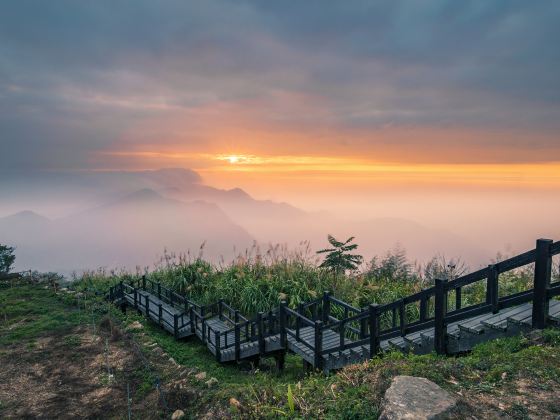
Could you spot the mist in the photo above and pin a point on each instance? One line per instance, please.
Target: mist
(128, 220)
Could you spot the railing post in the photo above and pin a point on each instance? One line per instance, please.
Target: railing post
(423, 308)
(260, 326)
(440, 329)
(237, 342)
(298, 321)
(144, 282)
(147, 297)
(341, 330)
(160, 313)
(159, 290)
(175, 326)
(363, 326)
(492, 294)
(270, 323)
(283, 333)
(326, 306)
(192, 320)
(217, 344)
(203, 322)
(402, 317)
(543, 268)
(135, 299)
(373, 330)
(318, 344)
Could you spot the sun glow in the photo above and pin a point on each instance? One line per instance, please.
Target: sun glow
(236, 159)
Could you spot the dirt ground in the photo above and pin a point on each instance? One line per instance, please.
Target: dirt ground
(77, 374)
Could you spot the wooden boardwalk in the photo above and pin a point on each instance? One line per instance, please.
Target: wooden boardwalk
(329, 333)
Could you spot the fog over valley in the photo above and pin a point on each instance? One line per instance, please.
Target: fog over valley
(84, 220)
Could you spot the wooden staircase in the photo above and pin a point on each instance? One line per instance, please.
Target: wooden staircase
(329, 333)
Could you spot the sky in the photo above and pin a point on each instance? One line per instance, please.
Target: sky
(296, 101)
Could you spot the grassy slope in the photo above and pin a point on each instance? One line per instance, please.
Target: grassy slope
(512, 377)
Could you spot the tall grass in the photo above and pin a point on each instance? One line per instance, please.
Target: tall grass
(258, 281)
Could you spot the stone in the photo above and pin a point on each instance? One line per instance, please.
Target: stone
(211, 382)
(177, 415)
(200, 376)
(135, 326)
(410, 397)
(233, 402)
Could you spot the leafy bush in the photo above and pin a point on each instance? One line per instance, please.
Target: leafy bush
(7, 258)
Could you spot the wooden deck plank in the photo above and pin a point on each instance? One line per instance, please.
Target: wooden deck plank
(462, 333)
(500, 320)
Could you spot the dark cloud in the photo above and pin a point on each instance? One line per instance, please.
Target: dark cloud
(74, 75)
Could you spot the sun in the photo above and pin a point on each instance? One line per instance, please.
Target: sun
(233, 159)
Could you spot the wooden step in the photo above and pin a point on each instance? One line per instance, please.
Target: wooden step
(414, 340)
(398, 343)
(474, 325)
(499, 321)
(454, 331)
(525, 318)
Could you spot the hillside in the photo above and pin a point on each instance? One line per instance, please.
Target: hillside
(77, 359)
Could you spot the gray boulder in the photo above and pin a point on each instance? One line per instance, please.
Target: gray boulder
(410, 397)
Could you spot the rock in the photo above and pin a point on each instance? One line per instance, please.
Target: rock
(211, 382)
(200, 376)
(172, 360)
(233, 402)
(178, 414)
(410, 397)
(135, 326)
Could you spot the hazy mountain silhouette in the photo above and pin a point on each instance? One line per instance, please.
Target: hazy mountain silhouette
(130, 217)
(126, 232)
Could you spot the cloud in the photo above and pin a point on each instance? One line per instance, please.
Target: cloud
(78, 78)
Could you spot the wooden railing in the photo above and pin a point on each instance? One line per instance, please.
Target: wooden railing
(434, 307)
(142, 301)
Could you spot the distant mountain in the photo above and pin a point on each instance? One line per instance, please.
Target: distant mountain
(25, 219)
(127, 218)
(129, 231)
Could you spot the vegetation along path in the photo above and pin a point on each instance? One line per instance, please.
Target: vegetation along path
(329, 333)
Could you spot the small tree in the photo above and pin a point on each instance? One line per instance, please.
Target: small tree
(394, 267)
(338, 258)
(440, 268)
(7, 258)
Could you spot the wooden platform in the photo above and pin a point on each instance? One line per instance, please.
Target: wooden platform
(329, 334)
(166, 320)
